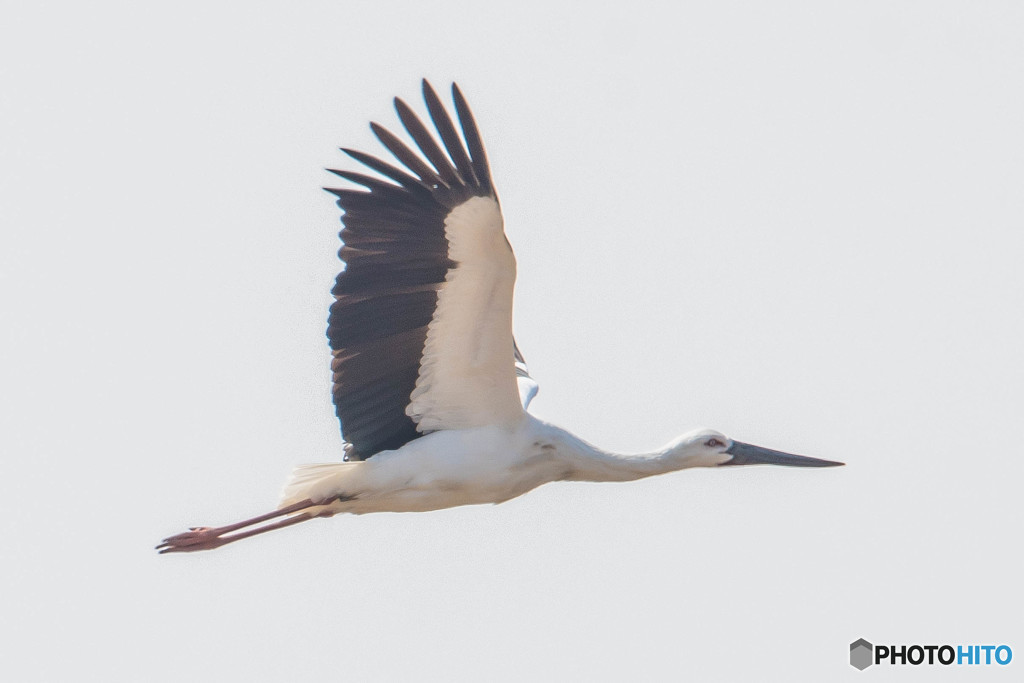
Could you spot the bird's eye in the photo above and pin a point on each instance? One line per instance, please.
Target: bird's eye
(713, 443)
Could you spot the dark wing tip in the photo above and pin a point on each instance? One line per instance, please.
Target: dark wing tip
(405, 155)
(473, 140)
(427, 144)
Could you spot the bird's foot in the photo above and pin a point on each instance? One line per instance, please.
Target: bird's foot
(196, 538)
(208, 538)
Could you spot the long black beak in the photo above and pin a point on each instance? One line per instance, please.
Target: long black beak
(748, 454)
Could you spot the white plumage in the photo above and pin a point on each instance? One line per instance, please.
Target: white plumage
(430, 387)
(466, 375)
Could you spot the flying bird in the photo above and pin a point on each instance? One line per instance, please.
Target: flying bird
(430, 387)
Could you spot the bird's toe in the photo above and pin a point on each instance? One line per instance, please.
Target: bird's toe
(196, 538)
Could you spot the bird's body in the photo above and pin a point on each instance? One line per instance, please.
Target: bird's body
(429, 384)
(490, 464)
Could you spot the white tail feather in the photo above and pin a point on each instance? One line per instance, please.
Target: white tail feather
(317, 482)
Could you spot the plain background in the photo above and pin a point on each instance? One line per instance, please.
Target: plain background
(797, 223)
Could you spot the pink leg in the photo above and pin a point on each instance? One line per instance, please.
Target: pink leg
(208, 538)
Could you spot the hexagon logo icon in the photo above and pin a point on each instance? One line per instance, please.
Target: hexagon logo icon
(861, 654)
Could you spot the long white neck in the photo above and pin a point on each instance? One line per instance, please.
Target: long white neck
(585, 462)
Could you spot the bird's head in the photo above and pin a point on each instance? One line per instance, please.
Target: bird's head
(708, 448)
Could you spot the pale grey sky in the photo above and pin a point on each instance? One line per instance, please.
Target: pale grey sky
(802, 226)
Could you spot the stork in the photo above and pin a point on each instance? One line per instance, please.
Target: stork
(430, 387)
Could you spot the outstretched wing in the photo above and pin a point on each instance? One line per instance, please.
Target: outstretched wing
(421, 328)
